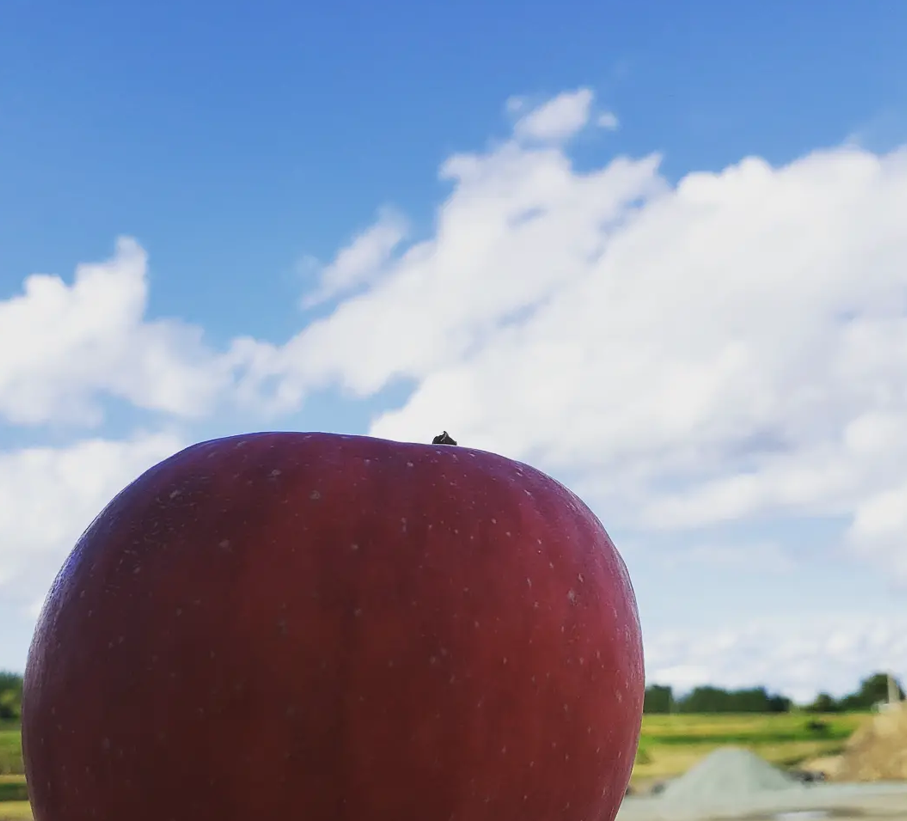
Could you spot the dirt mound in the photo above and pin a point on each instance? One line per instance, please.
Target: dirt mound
(826, 765)
(877, 751)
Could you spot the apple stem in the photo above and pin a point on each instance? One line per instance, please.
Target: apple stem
(443, 439)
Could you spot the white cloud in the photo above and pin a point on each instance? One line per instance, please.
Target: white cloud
(49, 496)
(879, 527)
(515, 233)
(749, 557)
(827, 651)
(556, 120)
(730, 347)
(61, 346)
(514, 105)
(608, 120)
(362, 260)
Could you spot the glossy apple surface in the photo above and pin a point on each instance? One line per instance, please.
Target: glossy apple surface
(336, 628)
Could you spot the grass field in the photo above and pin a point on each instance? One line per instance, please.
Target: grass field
(669, 745)
(12, 779)
(10, 750)
(15, 811)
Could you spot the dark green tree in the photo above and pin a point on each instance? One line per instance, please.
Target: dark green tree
(717, 700)
(823, 703)
(871, 691)
(659, 699)
(10, 696)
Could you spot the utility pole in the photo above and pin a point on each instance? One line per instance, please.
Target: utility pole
(894, 695)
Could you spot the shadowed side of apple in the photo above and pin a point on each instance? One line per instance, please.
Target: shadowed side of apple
(385, 630)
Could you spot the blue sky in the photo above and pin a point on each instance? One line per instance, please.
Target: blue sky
(718, 187)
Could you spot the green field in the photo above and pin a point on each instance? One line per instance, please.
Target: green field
(12, 780)
(15, 811)
(10, 750)
(670, 745)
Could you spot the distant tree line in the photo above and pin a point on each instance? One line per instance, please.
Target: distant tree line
(661, 699)
(10, 696)
(871, 691)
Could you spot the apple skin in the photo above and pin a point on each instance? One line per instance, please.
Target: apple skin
(336, 628)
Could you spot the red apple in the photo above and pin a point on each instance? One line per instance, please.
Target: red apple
(336, 628)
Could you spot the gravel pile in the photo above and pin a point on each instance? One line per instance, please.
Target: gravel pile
(727, 774)
(733, 783)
